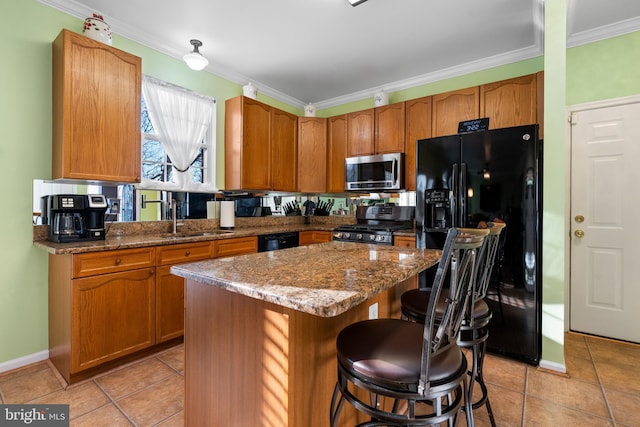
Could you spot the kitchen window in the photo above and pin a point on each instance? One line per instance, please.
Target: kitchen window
(177, 121)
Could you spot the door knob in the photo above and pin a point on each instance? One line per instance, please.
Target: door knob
(579, 233)
(579, 218)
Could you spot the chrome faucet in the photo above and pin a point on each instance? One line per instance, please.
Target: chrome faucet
(173, 205)
(163, 213)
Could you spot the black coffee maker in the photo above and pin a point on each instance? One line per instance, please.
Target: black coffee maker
(76, 217)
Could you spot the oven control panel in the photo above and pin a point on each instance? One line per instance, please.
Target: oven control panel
(363, 237)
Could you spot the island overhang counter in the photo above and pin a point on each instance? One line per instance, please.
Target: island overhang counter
(260, 329)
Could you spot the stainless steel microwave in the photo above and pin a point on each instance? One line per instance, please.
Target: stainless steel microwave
(380, 172)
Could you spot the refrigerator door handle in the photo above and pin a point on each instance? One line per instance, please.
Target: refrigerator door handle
(462, 191)
(453, 202)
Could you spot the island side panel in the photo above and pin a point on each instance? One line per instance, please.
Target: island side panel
(313, 358)
(235, 360)
(313, 366)
(249, 362)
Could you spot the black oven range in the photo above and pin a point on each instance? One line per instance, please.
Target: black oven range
(376, 224)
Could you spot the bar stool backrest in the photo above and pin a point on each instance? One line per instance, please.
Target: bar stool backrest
(458, 257)
(485, 267)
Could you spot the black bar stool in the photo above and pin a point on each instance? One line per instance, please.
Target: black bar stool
(402, 373)
(474, 330)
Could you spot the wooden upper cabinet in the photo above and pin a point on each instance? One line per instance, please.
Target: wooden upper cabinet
(337, 151)
(418, 126)
(283, 156)
(96, 110)
(390, 128)
(540, 102)
(451, 108)
(312, 154)
(360, 133)
(511, 102)
(260, 145)
(247, 136)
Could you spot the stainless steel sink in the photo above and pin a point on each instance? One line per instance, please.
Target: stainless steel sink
(196, 233)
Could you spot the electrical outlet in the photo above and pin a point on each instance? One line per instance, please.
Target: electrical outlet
(373, 311)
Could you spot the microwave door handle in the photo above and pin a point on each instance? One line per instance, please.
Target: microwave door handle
(394, 171)
(453, 200)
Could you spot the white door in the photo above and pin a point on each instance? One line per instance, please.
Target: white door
(605, 222)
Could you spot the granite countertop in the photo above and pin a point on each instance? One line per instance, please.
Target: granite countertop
(324, 279)
(155, 238)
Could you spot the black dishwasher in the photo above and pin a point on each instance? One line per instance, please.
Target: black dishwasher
(275, 241)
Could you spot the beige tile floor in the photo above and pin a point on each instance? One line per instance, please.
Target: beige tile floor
(602, 388)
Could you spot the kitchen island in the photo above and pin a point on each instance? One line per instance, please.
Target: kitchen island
(260, 329)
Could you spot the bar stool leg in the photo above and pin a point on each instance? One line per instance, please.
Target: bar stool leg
(479, 351)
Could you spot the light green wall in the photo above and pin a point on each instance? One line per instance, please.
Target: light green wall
(603, 70)
(26, 31)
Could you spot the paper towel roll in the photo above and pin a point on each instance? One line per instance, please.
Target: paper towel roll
(227, 215)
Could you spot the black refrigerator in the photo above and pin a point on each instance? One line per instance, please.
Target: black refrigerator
(467, 178)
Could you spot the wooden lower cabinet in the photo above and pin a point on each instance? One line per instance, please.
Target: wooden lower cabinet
(236, 246)
(404, 241)
(407, 242)
(170, 289)
(314, 236)
(112, 315)
(169, 304)
(101, 309)
(109, 307)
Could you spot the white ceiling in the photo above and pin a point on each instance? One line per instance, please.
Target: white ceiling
(329, 52)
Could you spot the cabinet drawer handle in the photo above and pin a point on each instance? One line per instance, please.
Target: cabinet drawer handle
(118, 261)
(187, 253)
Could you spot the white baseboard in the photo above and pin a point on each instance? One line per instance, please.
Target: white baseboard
(24, 361)
(553, 366)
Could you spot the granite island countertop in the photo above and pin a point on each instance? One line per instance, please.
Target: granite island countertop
(324, 279)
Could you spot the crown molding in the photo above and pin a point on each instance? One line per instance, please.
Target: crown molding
(447, 73)
(81, 11)
(604, 32)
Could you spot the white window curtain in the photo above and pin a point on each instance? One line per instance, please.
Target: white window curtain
(181, 118)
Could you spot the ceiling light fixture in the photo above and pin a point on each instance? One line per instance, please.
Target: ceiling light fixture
(486, 174)
(356, 2)
(194, 59)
